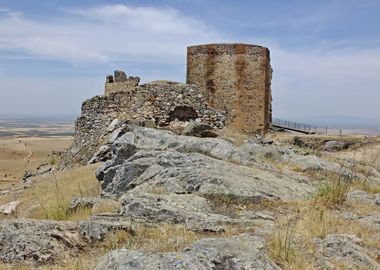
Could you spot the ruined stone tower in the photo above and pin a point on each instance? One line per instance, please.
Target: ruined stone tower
(120, 82)
(235, 78)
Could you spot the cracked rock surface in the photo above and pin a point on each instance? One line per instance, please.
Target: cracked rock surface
(241, 252)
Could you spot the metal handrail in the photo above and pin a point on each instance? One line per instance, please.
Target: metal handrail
(291, 125)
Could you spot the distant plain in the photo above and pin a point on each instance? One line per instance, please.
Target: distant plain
(25, 144)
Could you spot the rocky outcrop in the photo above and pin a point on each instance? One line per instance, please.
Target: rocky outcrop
(200, 130)
(196, 212)
(249, 154)
(42, 241)
(242, 252)
(161, 177)
(184, 173)
(371, 219)
(332, 146)
(83, 202)
(364, 197)
(158, 103)
(38, 241)
(345, 249)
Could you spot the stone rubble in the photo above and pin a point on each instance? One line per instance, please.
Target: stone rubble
(9, 208)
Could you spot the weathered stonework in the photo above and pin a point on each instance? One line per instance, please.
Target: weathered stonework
(227, 84)
(157, 103)
(120, 82)
(235, 78)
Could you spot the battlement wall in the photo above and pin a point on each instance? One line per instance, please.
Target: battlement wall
(120, 82)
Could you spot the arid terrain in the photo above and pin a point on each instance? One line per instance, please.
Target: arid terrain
(305, 212)
(189, 135)
(24, 145)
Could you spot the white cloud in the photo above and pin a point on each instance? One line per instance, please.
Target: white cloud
(105, 33)
(317, 82)
(325, 78)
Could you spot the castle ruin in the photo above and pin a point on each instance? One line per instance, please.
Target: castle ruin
(120, 82)
(234, 78)
(155, 104)
(227, 85)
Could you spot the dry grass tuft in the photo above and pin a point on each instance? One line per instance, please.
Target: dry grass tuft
(367, 186)
(284, 247)
(334, 193)
(292, 246)
(107, 206)
(117, 239)
(49, 197)
(166, 238)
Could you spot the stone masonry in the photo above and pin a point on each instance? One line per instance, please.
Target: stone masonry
(158, 104)
(120, 82)
(234, 78)
(227, 85)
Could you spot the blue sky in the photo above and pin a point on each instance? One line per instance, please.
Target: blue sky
(54, 54)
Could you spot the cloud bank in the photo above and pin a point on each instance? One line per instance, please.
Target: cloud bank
(322, 79)
(105, 34)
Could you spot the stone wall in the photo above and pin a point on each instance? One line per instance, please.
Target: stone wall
(157, 103)
(234, 78)
(120, 82)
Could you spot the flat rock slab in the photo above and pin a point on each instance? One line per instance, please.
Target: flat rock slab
(191, 210)
(242, 252)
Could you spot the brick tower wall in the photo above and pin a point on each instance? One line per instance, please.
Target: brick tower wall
(234, 78)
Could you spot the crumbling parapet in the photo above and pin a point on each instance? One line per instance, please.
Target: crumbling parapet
(161, 104)
(120, 82)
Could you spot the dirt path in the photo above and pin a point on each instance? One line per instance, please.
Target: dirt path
(19, 154)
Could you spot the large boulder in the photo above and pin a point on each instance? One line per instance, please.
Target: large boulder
(200, 130)
(332, 146)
